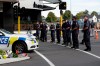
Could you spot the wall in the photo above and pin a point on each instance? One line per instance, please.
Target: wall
(8, 20)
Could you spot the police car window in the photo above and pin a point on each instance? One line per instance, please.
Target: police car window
(6, 31)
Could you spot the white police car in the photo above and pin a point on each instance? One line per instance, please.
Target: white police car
(19, 42)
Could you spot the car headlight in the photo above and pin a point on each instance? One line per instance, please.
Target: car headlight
(30, 39)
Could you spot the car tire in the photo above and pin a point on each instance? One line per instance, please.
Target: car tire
(20, 47)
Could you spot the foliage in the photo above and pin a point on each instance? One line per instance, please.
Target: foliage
(67, 15)
(51, 17)
(15, 55)
(86, 12)
(94, 13)
(2, 52)
(80, 14)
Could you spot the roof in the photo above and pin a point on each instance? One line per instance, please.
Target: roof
(9, 0)
(90, 16)
(45, 7)
(52, 1)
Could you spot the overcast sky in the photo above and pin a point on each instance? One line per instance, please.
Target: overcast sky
(76, 6)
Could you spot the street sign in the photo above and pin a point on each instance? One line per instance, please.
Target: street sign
(62, 6)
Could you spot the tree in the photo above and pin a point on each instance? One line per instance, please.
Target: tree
(86, 12)
(80, 14)
(67, 15)
(51, 17)
(94, 13)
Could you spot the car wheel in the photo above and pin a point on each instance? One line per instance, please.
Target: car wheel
(19, 47)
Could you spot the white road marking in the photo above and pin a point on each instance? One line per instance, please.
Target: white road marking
(46, 59)
(85, 52)
(89, 53)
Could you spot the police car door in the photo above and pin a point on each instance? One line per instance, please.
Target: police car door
(3, 41)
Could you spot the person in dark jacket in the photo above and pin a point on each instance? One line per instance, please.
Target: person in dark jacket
(75, 32)
(44, 29)
(52, 28)
(41, 29)
(64, 33)
(68, 33)
(86, 30)
(37, 29)
(58, 32)
(92, 28)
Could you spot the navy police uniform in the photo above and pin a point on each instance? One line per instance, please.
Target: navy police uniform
(37, 30)
(58, 32)
(64, 33)
(75, 32)
(87, 35)
(41, 35)
(52, 28)
(68, 32)
(44, 28)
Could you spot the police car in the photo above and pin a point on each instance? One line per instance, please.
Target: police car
(19, 42)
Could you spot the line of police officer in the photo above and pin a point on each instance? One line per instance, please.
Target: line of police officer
(67, 29)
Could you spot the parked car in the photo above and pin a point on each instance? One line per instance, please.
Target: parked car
(17, 42)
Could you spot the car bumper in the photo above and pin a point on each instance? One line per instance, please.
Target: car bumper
(31, 45)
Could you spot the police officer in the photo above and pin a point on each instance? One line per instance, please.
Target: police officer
(86, 30)
(44, 28)
(75, 32)
(52, 28)
(29, 31)
(41, 28)
(92, 28)
(68, 33)
(58, 32)
(37, 30)
(64, 33)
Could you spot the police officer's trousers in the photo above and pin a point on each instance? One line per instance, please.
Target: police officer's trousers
(58, 35)
(53, 35)
(68, 37)
(87, 39)
(44, 35)
(37, 34)
(64, 36)
(75, 39)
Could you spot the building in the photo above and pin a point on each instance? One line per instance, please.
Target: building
(92, 17)
(6, 14)
(95, 18)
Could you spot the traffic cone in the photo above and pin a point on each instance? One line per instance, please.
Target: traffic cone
(96, 35)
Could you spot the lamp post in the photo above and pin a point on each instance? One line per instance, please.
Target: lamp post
(61, 13)
(71, 10)
(18, 20)
(61, 18)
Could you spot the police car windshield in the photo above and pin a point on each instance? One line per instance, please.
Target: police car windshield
(5, 31)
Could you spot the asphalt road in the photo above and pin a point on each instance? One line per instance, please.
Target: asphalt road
(63, 56)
